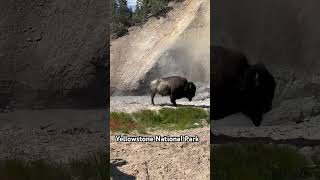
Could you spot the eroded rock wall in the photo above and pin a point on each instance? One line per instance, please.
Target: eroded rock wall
(178, 44)
(54, 52)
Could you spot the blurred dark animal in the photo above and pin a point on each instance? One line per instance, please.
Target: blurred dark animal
(175, 86)
(240, 87)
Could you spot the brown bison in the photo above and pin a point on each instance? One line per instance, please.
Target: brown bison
(175, 86)
(240, 87)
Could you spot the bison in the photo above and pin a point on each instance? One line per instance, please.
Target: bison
(175, 86)
(238, 86)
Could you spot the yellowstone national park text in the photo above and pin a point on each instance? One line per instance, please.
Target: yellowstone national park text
(157, 138)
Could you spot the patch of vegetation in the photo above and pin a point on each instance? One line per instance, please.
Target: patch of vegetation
(259, 162)
(123, 122)
(316, 171)
(183, 118)
(146, 119)
(123, 17)
(165, 118)
(95, 166)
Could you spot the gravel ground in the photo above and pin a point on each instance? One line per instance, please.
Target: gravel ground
(52, 144)
(55, 134)
(136, 103)
(294, 118)
(162, 160)
(55, 118)
(240, 126)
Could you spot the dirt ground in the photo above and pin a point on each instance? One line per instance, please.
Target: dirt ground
(135, 103)
(240, 126)
(159, 160)
(54, 134)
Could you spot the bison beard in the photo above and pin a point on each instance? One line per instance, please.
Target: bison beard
(240, 87)
(175, 86)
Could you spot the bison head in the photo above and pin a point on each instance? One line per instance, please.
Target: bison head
(190, 90)
(258, 91)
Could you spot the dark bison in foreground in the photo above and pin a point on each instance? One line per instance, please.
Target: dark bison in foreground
(175, 86)
(240, 87)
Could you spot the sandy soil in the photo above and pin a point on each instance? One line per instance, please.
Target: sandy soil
(56, 134)
(53, 144)
(159, 160)
(54, 118)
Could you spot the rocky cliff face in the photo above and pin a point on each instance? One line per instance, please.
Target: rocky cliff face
(54, 52)
(178, 44)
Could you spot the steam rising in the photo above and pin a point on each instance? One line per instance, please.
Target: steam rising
(188, 59)
(190, 55)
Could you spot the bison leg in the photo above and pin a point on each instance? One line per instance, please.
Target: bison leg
(255, 118)
(173, 100)
(256, 121)
(152, 97)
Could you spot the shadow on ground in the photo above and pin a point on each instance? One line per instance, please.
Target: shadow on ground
(183, 105)
(116, 174)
